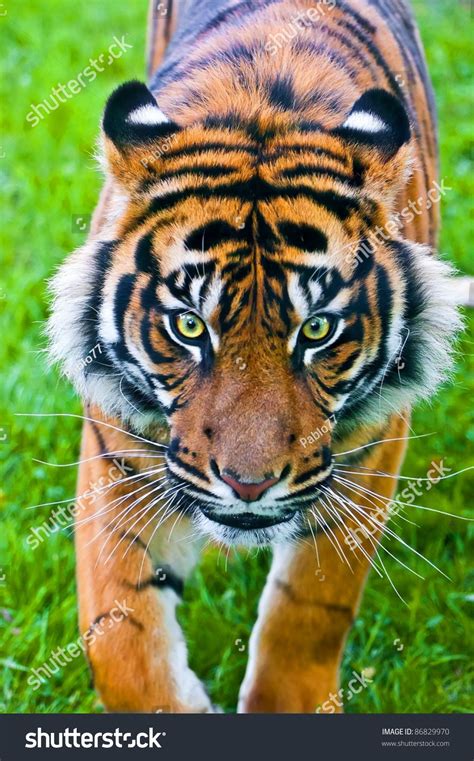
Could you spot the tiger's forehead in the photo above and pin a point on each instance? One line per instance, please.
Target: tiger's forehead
(259, 163)
(261, 185)
(259, 142)
(247, 244)
(252, 164)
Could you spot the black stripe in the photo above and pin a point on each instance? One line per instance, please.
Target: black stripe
(233, 55)
(370, 45)
(98, 434)
(372, 370)
(307, 148)
(212, 146)
(337, 388)
(304, 45)
(345, 366)
(246, 7)
(193, 488)
(305, 170)
(357, 17)
(185, 466)
(305, 237)
(144, 258)
(122, 297)
(98, 619)
(212, 234)
(101, 263)
(170, 382)
(336, 57)
(182, 171)
(141, 398)
(254, 190)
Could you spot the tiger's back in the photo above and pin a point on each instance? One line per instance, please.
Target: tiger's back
(307, 60)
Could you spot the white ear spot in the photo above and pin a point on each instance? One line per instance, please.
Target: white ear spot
(363, 121)
(147, 115)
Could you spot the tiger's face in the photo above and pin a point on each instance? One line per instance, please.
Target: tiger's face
(234, 291)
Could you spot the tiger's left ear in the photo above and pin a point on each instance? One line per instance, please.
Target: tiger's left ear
(378, 131)
(377, 120)
(135, 131)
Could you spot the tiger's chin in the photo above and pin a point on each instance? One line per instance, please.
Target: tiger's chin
(247, 528)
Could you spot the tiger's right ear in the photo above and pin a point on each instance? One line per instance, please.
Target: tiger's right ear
(135, 131)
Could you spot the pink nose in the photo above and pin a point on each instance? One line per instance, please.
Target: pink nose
(249, 492)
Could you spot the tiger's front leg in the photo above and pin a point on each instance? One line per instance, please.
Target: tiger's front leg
(130, 583)
(307, 609)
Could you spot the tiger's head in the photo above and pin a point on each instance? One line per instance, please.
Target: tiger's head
(234, 289)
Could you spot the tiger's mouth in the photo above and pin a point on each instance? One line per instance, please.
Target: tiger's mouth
(247, 521)
(257, 523)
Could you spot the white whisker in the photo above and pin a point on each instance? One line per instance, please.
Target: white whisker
(89, 420)
(314, 541)
(383, 441)
(78, 497)
(385, 501)
(355, 520)
(343, 480)
(104, 456)
(339, 519)
(112, 506)
(170, 510)
(126, 399)
(320, 521)
(389, 531)
(381, 474)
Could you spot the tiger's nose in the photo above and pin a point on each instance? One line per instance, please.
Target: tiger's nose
(249, 492)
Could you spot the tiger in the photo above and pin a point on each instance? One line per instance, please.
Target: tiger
(256, 310)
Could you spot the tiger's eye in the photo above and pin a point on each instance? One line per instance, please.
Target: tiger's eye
(189, 325)
(316, 328)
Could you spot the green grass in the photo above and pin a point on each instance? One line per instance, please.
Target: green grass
(48, 175)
